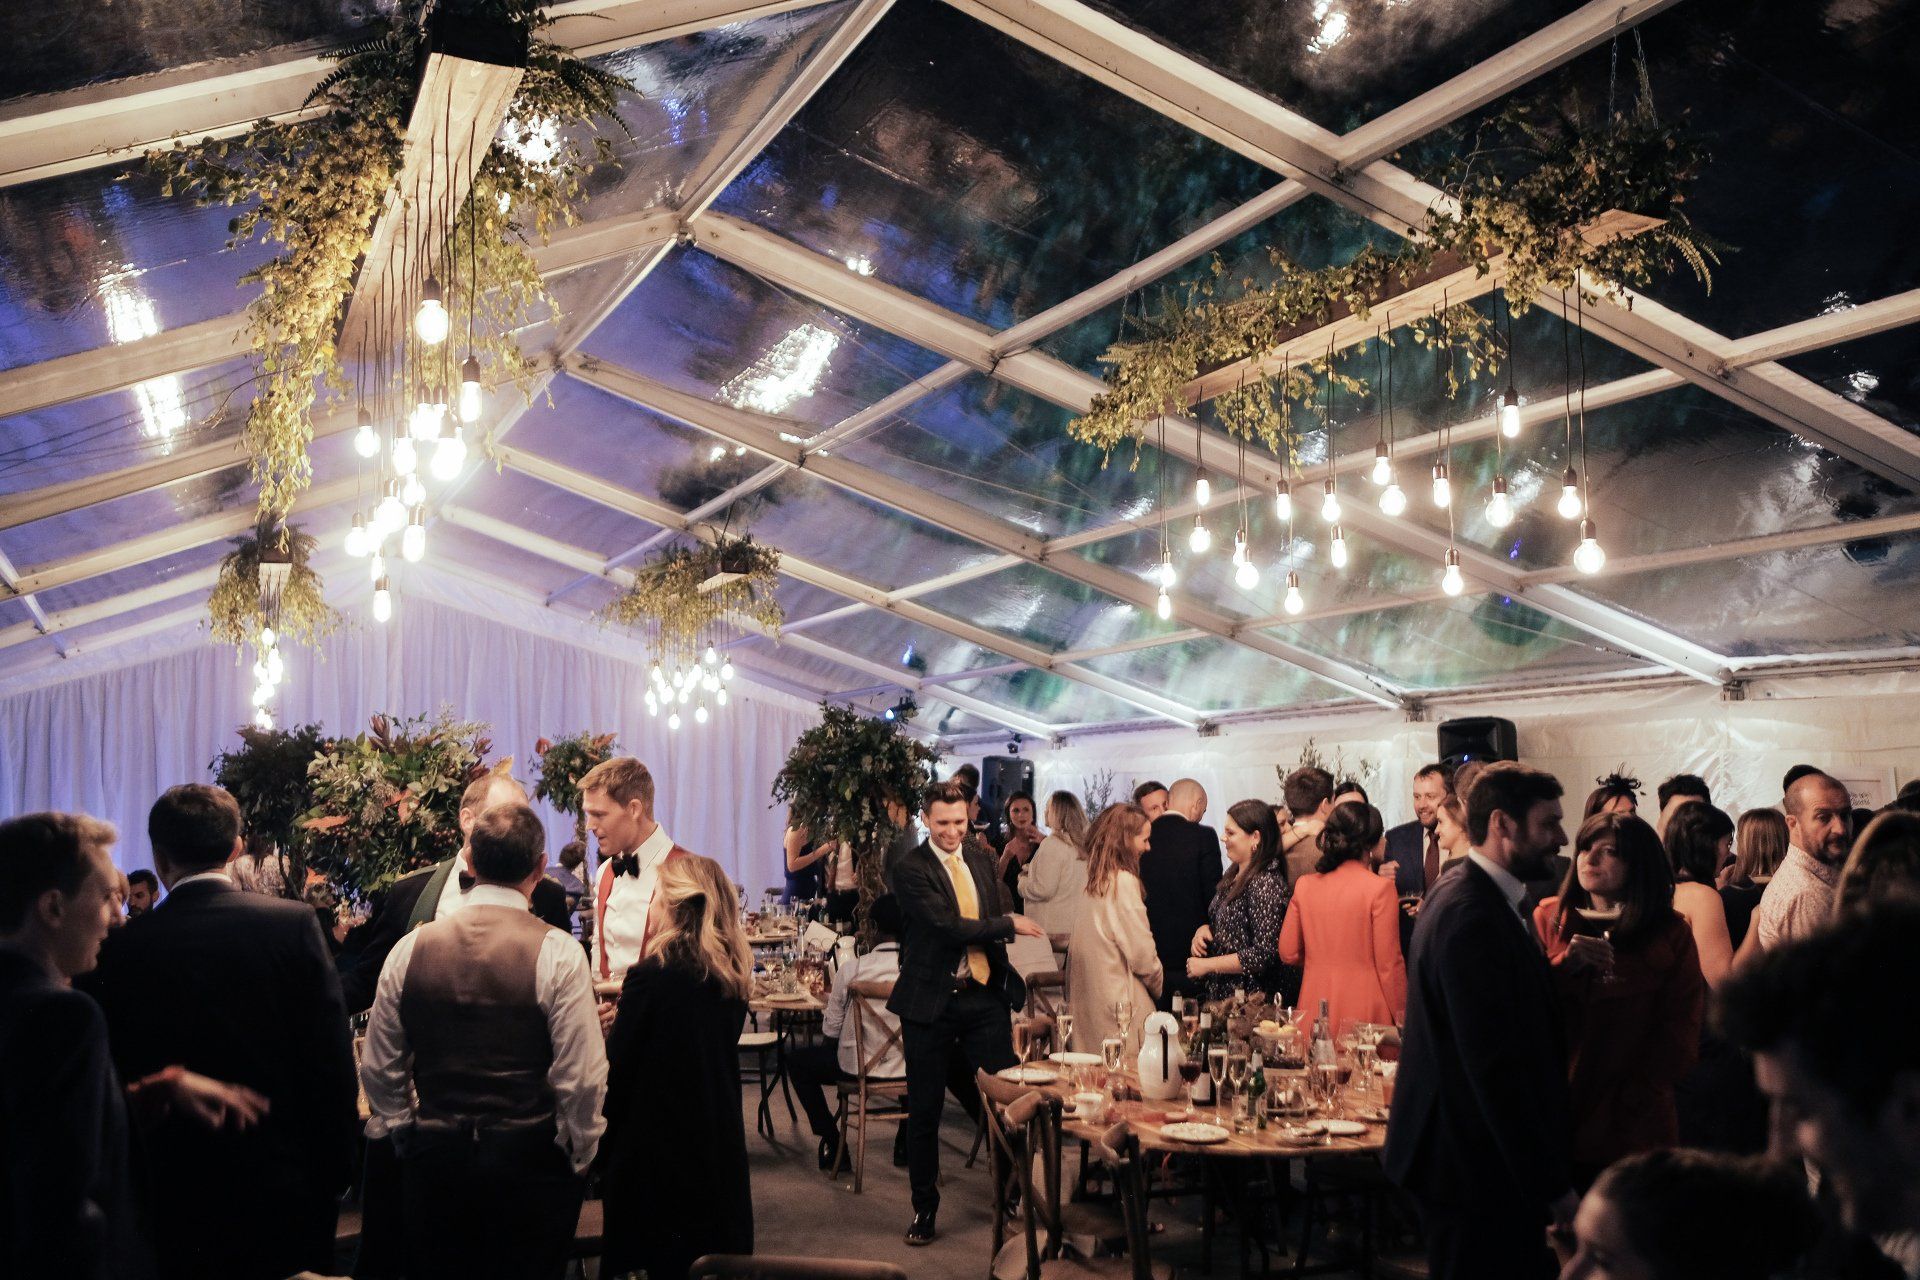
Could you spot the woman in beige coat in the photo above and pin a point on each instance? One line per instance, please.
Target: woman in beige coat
(1053, 884)
(1112, 957)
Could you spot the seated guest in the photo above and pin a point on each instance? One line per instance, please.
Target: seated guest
(1630, 990)
(1617, 793)
(817, 1068)
(143, 890)
(1053, 885)
(1113, 958)
(567, 874)
(1819, 835)
(1414, 847)
(1308, 793)
(485, 1062)
(1344, 925)
(1152, 798)
(1178, 874)
(1688, 1215)
(1885, 862)
(1239, 946)
(673, 1164)
(1841, 1066)
(239, 987)
(1699, 840)
(1676, 791)
(1759, 845)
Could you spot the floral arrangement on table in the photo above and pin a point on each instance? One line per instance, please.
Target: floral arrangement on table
(267, 775)
(560, 763)
(841, 779)
(301, 613)
(1542, 228)
(685, 595)
(388, 801)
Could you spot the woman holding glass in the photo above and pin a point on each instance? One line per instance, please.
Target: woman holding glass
(1630, 988)
(1239, 946)
(1344, 925)
(1114, 969)
(1053, 884)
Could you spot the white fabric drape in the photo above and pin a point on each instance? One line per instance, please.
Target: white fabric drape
(108, 743)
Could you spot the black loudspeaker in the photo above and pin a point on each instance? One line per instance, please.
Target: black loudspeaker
(1000, 777)
(1481, 738)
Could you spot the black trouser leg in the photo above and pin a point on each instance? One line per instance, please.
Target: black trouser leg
(972, 1033)
(814, 1069)
(383, 1239)
(492, 1206)
(1466, 1245)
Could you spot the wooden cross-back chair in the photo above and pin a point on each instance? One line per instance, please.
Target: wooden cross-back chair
(865, 1000)
(1024, 1129)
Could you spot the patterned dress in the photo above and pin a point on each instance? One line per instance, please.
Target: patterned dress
(1249, 926)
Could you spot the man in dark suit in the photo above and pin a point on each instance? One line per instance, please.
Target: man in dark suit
(237, 986)
(1412, 847)
(1179, 872)
(955, 988)
(1480, 1112)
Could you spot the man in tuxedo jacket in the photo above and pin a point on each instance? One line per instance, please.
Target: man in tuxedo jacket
(1480, 1113)
(240, 987)
(617, 797)
(1412, 847)
(955, 988)
(1179, 871)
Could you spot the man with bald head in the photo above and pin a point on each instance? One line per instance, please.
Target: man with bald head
(1179, 871)
(1799, 898)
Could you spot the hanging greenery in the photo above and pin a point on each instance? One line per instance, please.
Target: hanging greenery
(315, 187)
(235, 609)
(560, 763)
(1537, 223)
(267, 775)
(685, 594)
(388, 801)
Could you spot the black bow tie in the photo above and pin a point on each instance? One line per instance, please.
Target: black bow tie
(626, 864)
(467, 882)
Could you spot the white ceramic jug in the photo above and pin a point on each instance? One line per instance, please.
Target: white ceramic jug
(1160, 1058)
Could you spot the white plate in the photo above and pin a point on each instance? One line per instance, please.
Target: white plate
(1028, 1075)
(1075, 1059)
(1194, 1132)
(788, 997)
(1339, 1128)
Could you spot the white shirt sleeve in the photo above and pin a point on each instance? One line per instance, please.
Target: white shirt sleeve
(835, 1014)
(386, 1059)
(579, 1071)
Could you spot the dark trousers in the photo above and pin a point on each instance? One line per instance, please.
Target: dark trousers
(1476, 1244)
(496, 1204)
(973, 1033)
(383, 1241)
(814, 1070)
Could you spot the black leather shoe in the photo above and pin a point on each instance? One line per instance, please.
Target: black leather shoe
(828, 1146)
(921, 1232)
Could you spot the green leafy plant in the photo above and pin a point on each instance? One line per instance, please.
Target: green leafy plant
(234, 608)
(672, 598)
(1360, 769)
(388, 801)
(560, 763)
(267, 775)
(1096, 792)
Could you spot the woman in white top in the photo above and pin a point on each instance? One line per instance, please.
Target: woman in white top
(1112, 960)
(1053, 884)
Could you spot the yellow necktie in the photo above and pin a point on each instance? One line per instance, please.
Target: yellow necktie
(969, 910)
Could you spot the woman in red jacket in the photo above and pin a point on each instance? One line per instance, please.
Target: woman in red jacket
(1630, 987)
(1344, 926)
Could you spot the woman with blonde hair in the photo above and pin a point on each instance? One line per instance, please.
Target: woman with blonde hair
(1112, 961)
(673, 1163)
(1053, 884)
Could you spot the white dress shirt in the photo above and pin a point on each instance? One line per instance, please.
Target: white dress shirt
(220, 875)
(452, 898)
(564, 989)
(1510, 886)
(877, 1022)
(620, 931)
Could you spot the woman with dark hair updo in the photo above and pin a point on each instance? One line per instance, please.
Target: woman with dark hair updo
(1344, 925)
(1699, 842)
(1239, 946)
(1630, 989)
(1617, 792)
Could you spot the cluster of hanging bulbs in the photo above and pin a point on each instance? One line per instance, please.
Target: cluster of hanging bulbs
(269, 673)
(690, 682)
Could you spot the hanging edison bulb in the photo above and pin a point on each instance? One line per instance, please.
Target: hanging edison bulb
(1442, 486)
(276, 667)
(366, 441)
(1450, 580)
(430, 319)
(653, 703)
(673, 722)
(412, 491)
(449, 455)
(1570, 505)
(1202, 490)
(267, 638)
(1166, 575)
(413, 543)
(1330, 505)
(1294, 602)
(377, 567)
(721, 697)
(700, 713)
(1247, 576)
(390, 514)
(726, 671)
(406, 459)
(357, 537)
(1282, 500)
(1588, 557)
(1338, 551)
(1382, 464)
(1499, 507)
(1163, 605)
(382, 599)
(1510, 413)
(471, 400)
(1200, 539)
(262, 719)
(1393, 499)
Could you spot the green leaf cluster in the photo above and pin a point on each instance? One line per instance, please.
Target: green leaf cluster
(234, 608)
(267, 775)
(560, 763)
(666, 596)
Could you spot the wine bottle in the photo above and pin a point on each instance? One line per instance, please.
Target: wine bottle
(1321, 1059)
(1200, 1092)
(1256, 1086)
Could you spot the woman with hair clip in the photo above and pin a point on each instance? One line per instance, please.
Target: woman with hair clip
(1344, 925)
(1631, 992)
(1239, 946)
(1617, 792)
(673, 1163)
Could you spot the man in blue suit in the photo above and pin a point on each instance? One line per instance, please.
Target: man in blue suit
(1412, 847)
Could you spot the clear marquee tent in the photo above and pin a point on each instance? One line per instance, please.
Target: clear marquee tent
(846, 287)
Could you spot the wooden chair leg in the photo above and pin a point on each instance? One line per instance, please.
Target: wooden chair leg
(979, 1136)
(860, 1152)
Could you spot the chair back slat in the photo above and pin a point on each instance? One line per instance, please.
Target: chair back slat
(1119, 1150)
(864, 1001)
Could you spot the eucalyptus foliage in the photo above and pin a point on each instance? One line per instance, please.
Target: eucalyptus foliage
(560, 763)
(234, 608)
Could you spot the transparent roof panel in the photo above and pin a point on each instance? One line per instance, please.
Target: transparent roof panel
(887, 638)
(54, 47)
(548, 512)
(1210, 674)
(100, 257)
(184, 612)
(613, 440)
(1838, 598)
(89, 529)
(800, 665)
(701, 325)
(138, 577)
(802, 600)
(494, 558)
(579, 297)
(1052, 699)
(1457, 643)
(690, 101)
(1881, 374)
(1046, 609)
(954, 162)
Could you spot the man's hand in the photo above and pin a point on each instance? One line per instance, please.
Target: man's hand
(1201, 937)
(212, 1103)
(1025, 927)
(1198, 966)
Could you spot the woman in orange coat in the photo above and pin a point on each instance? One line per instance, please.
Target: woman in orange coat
(1344, 926)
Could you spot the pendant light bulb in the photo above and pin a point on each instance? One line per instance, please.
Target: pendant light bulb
(1167, 575)
(262, 695)
(1239, 547)
(673, 722)
(376, 567)
(382, 600)
(276, 668)
(1202, 491)
(1393, 499)
(1247, 576)
(267, 639)
(1382, 464)
(366, 441)
(1510, 413)
(1199, 540)
(1330, 506)
(471, 399)
(711, 656)
(700, 714)
(1442, 486)
(1163, 605)
(1570, 507)
(449, 455)
(1450, 580)
(1283, 501)
(390, 514)
(1499, 506)
(406, 458)
(1588, 557)
(726, 671)
(413, 543)
(1295, 603)
(430, 319)
(412, 491)
(1338, 551)
(357, 537)
(262, 719)
(653, 704)
(720, 698)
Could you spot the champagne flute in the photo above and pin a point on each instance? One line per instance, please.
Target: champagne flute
(1217, 1069)
(1064, 1020)
(1110, 1049)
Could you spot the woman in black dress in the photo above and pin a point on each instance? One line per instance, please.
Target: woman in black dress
(1239, 946)
(673, 1163)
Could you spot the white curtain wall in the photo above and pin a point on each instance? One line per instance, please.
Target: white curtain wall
(109, 741)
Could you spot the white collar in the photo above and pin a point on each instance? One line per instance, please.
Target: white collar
(220, 875)
(654, 847)
(943, 855)
(496, 895)
(1510, 886)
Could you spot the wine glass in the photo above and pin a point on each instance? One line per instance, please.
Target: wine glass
(1239, 1066)
(1123, 1013)
(1217, 1069)
(1064, 1020)
(1110, 1049)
